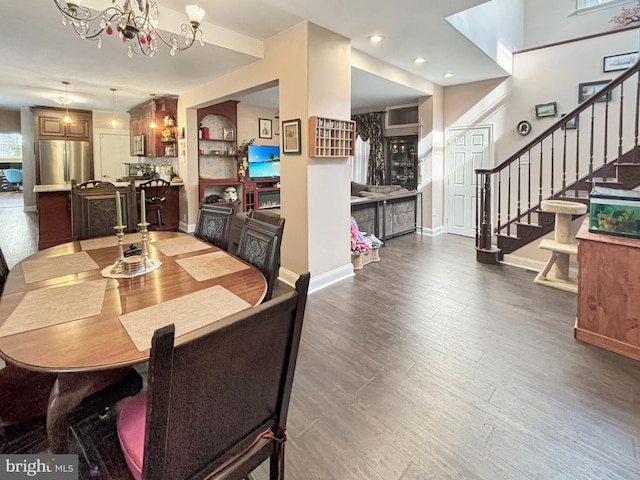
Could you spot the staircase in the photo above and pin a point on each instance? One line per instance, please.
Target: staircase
(563, 163)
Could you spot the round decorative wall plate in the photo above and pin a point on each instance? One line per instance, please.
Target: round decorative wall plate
(523, 128)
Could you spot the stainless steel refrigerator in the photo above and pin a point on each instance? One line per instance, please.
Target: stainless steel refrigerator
(64, 160)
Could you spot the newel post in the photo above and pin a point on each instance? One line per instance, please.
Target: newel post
(485, 253)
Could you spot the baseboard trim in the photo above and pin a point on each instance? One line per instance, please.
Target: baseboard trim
(186, 227)
(319, 281)
(30, 208)
(431, 232)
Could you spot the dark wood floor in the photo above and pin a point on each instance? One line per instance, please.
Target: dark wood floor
(429, 365)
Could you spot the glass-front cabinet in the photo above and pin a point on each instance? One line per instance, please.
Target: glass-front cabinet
(402, 161)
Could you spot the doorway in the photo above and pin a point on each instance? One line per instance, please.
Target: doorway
(468, 148)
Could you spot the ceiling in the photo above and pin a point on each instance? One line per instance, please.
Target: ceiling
(38, 52)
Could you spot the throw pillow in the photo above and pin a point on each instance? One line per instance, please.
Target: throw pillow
(356, 188)
(384, 189)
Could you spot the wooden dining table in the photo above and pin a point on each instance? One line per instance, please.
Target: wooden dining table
(106, 334)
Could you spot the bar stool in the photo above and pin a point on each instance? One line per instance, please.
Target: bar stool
(561, 247)
(156, 191)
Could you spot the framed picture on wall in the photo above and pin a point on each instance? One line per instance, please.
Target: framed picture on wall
(291, 142)
(571, 124)
(547, 110)
(589, 89)
(619, 62)
(264, 126)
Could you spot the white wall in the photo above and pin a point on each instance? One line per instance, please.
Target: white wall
(550, 21)
(27, 129)
(248, 125)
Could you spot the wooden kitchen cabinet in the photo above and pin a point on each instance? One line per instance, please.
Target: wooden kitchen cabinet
(154, 111)
(48, 123)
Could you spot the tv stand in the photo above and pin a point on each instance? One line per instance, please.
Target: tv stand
(261, 194)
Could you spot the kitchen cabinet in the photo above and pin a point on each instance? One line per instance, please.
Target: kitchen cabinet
(159, 141)
(217, 150)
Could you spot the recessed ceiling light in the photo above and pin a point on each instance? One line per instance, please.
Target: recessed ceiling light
(419, 60)
(448, 75)
(376, 38)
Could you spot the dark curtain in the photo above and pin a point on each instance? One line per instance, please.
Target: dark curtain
(369, 127)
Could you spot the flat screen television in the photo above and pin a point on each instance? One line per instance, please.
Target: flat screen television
(264, 161)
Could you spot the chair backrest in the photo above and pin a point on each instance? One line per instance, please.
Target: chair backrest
(214, 224)
(212, 394)
(156, 190)
(4, 271)
(93, 208)
(13, 175)
(267, 216)
(260, 246)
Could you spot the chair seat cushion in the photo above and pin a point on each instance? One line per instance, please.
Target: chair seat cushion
(131, 425)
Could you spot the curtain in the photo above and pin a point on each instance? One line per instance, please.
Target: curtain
(369, 127)
(360, 161)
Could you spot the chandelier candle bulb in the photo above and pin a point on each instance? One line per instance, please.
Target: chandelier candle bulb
(143, 208)
(118, 209)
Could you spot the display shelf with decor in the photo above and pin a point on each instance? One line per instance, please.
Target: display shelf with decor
(217, 151)
(329, 137)
(154, 121)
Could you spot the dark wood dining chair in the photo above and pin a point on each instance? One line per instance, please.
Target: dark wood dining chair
(4, 271)
(217, 402)
(93, 208)
(156, 191)
(260, 246)
(214, 224)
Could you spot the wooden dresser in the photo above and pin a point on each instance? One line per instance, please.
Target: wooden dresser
(609, 292)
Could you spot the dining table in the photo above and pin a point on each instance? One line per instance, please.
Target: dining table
(68, 309)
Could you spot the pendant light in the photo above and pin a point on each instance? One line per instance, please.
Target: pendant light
(66, 120)
(114, 121)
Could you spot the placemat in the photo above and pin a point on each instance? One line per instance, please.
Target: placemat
(55, 305)
(211, 265)
(187, 313)
(180, 245)
(111, 241)
(52, 267)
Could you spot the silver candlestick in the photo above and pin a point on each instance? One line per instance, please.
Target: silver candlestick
(145, 251)
(119, 268)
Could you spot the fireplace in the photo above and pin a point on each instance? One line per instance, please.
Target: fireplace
(269, 198)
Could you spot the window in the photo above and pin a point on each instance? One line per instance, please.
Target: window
(11, 145)
(586, 6)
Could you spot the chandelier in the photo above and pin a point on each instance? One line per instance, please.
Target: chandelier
(135, 22)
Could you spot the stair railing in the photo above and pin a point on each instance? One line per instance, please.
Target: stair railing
(561, 166)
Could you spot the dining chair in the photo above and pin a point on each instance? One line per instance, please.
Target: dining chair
(217, 401)
(214, 224)
(4, 271)
(260, 246)
(93, 208)
(156, 191)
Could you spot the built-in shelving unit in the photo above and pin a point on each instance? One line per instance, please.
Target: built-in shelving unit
(329, 137)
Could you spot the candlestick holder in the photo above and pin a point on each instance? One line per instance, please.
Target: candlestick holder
(118, 267)
(145, 251)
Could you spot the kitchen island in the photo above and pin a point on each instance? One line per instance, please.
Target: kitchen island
(54, 211)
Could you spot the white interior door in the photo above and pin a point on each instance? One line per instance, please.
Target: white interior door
(467, 149)
(113, 152)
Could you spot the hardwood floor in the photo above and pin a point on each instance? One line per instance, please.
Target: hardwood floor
(429, 365)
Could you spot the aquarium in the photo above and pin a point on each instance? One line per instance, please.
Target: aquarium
(615, 212)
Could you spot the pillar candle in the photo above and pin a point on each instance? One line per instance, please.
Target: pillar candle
(118, 209)
(143, 208)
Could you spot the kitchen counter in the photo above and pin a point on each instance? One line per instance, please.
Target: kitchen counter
(66, 187)
(54, 211)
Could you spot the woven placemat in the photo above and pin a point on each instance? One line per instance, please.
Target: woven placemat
(180, 245)
(211, 265)
(55, 305)
(111, 241)
(187, 313)
(52, 267)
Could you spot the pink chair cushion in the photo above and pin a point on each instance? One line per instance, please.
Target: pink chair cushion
(131, 424)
